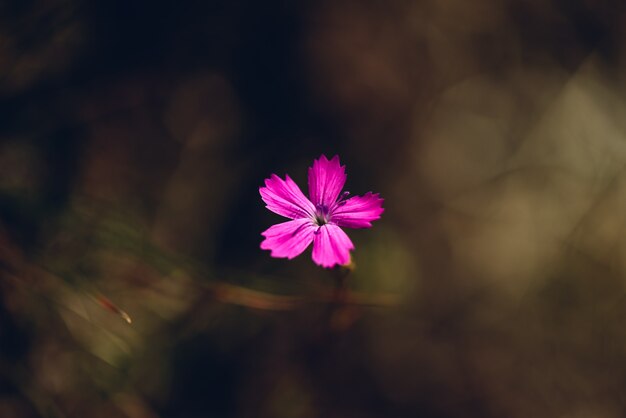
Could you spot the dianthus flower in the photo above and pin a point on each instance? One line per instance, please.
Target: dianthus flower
(320, 217)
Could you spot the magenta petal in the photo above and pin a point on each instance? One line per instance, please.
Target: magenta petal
(326, 179)
(358, 211)
(331, 246)
(289, 239)
(285, 198)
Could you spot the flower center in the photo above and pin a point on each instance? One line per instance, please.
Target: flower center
(322, 214)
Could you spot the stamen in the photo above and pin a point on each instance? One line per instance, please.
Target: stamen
(321, 214)
(341, 200)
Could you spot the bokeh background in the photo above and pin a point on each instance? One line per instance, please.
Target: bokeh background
(134, 136)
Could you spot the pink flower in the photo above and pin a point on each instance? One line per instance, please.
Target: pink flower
(319, 218)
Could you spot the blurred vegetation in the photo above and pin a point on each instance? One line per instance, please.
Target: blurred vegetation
(134, 136)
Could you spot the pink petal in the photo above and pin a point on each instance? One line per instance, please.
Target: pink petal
(289, 239)
(326, 179)
(331, 246)
(285, 198)
(358, 211)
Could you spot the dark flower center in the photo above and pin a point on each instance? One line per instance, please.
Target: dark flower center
(322, 214)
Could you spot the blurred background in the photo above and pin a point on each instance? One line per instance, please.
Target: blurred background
(134, 136)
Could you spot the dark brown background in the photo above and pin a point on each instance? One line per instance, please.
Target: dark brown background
(134, 136)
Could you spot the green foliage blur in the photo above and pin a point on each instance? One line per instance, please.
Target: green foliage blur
(134, 136)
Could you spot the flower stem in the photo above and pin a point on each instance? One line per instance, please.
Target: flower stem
(341, 315)
(340, 293)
